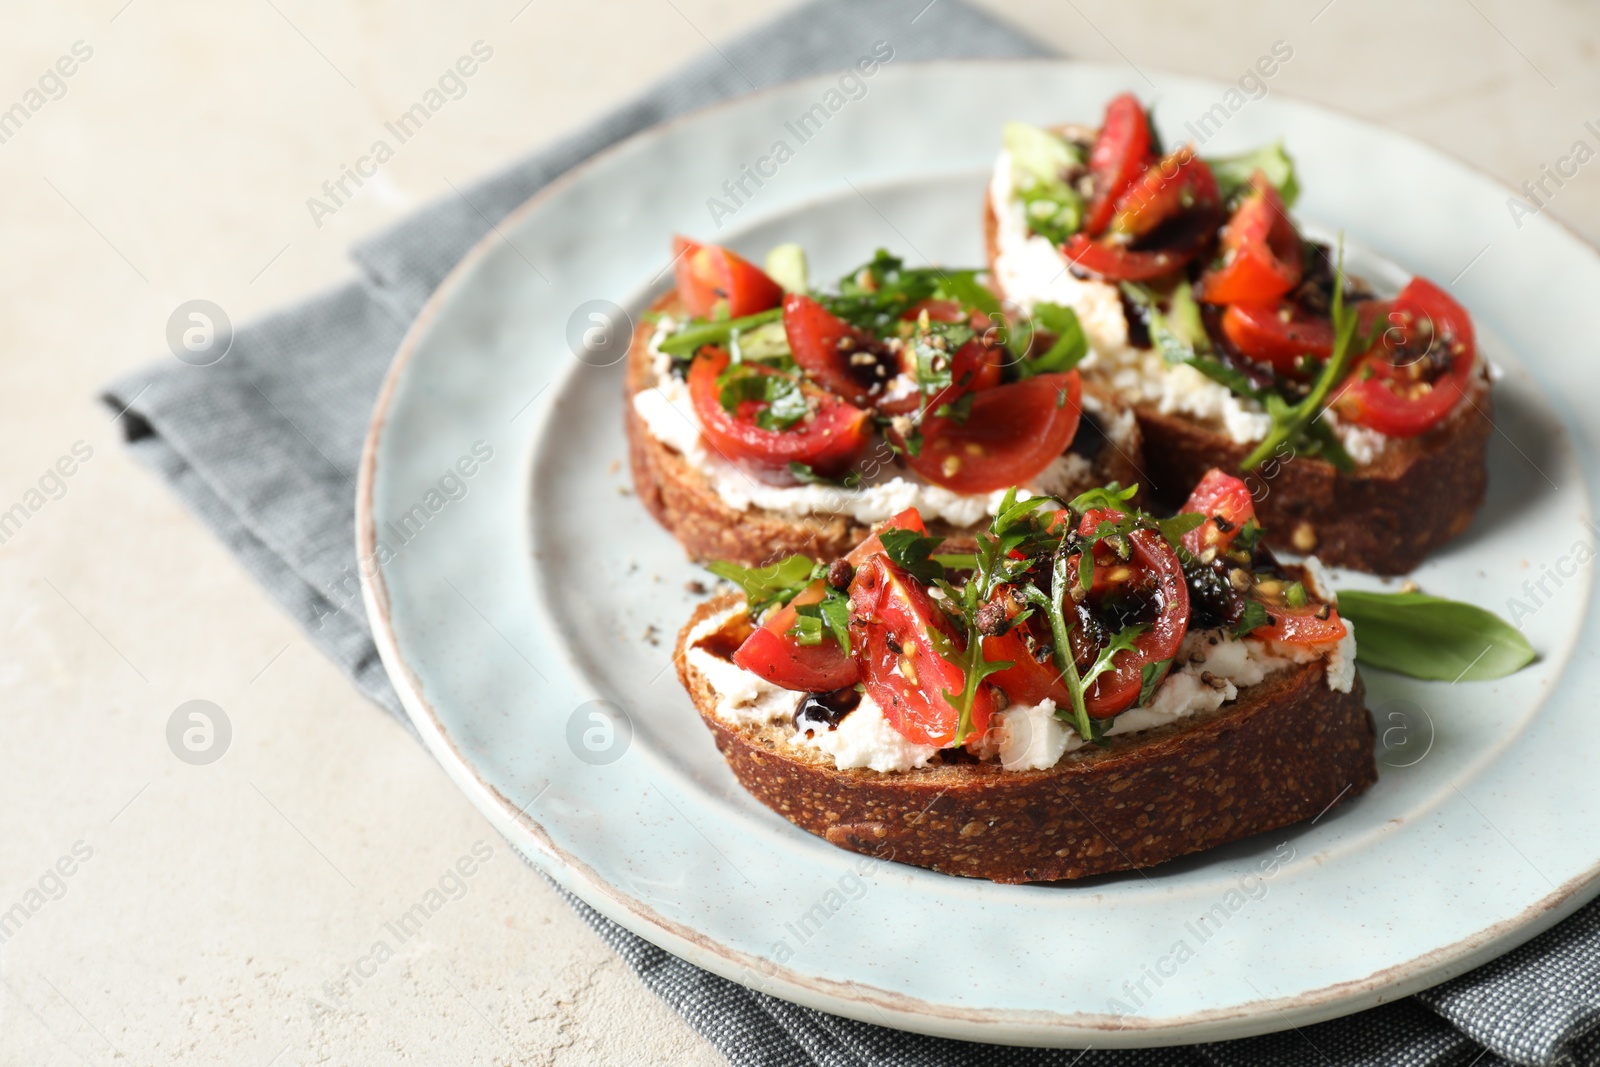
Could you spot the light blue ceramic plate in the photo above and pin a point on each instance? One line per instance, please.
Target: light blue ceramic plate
(519, 606)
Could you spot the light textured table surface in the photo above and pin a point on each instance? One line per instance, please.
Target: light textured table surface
(219, 906)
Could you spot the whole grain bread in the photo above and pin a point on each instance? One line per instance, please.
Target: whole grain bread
(683, 500)
(1284, 751)
(1385, 517)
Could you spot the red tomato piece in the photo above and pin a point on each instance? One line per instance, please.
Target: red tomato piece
(938, 311)
(710, 274)
(1278, 334)
(828, 440)
(1301, 626)
(771, 652)
(1420, 367)
(909, 519)
(1180, 182)
(1116, 262)
(1227, 505)
(1121, 151)
(1027, 680)
(1151, 574)
(1262, 255)
(1010, 434)
(845, 361)
(891, 615)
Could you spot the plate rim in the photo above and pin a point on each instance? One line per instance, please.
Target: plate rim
(840, 997)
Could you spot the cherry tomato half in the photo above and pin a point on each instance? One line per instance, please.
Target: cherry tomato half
(1116, 262)
(909, 519)
(891, 615)
(1010, 434)
(828, 440)
(1261, 251)
(1227, 505)
(771, 652)
(1121, 151)
(1180, 182)
(1278, 334)
(1028, 680)
(1151, 574)
(1420, 368)
(845, 361)
(1309, 626)
(710, 274)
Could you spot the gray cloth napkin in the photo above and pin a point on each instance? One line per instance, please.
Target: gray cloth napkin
(263, 446)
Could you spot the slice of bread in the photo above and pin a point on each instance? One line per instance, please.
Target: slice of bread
(684, 501)
(1384, 518)
(1284, 751)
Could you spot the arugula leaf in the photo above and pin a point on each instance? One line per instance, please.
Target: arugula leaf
(1151, 675)
(1070, 344)
(974, 668)
(1431, 637)
(1042, 162)
(700, 333)
(956, 561)
(1174, 528)
(1111, 495)
(1254, 617)
(806, 476)
(776, 583)
(1180, 336)
(786, 403)
(1291, 420)
(957, 410)
(913, 553)
(874, 296)
(1233, 172)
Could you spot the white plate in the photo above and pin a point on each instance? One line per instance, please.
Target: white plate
(537, 585)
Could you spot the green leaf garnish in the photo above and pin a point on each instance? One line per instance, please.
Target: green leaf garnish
(775, 584)
(1430, 637)
(784, 400)
(913, 553)
(1233, 172)
(806, 476)
(1255, 616)
(828, 617)
(1069, 347)
(957, 410)
(698, 334)
(1151, 675)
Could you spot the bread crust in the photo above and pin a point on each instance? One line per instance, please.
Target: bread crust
(1384, 518)
(1286, 750)
(684, 501)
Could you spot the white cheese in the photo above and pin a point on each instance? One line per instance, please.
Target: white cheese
(1363, 445)
(864, 738)
(668, 414)
(743, 698)
(1031, 738)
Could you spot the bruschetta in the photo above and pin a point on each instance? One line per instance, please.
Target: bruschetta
(1361, 420)
(1078, 689)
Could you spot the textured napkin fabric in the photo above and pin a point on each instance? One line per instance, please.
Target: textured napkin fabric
(264, 447)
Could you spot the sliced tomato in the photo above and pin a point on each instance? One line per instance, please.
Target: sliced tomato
(1116, 262)
(1278, 334)
(1121, 151)
(1153, 575)
(1180, 182)
(1010, 434)
(1305, 626)
(845, 361)
(891, 616)
(773, 653)
(1420, 367)
(1027, 680)
(976, 365)
(710, 274)
(828, 440)
(1262, 255)
(909, 519)
(1227, 505)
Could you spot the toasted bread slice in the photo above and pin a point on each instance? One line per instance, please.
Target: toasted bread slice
(1284, 751)
(684, 501)
(1384, 518)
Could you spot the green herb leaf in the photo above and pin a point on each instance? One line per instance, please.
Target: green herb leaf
(775, 584)
(1233, 172)
(806, 476)
(1174, 528)
(1069, 347)
(1254, 618)
(828, 617)
(1431, 637)
(1042, 165)
(913, 553)
(700, 333)
(958, 410)
(1150, 676)
(784, 400)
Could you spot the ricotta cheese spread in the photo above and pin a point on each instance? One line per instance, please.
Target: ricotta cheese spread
(668, 413)
(1031, 270)
(1210, 669)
